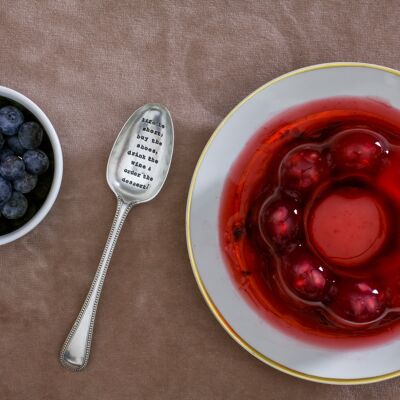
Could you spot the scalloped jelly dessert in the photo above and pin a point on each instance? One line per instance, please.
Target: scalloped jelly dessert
(310, 220)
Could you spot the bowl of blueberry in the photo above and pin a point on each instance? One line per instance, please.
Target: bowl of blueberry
(30, 165)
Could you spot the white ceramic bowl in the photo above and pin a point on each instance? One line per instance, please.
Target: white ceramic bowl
(58, 164)
(305, 360)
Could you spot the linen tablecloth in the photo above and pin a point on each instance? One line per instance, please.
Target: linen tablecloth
(89, 65)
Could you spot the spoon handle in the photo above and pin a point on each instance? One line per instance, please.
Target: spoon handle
(76, 349)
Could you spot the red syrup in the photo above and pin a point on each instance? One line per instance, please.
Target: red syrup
(310, 221)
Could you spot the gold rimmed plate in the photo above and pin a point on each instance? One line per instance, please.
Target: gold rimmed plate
(266, 342)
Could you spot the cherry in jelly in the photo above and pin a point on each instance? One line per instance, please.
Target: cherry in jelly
(304, 168)
(358, 302)
(279, 223)
(316, 198)
(357, 149)
(306, 276)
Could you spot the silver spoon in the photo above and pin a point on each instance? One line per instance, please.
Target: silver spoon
(136, 171)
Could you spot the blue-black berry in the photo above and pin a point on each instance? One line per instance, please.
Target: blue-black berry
(25, 184)
(15, 145)
(12, 167)
(5, 152)
(10, 120)
(36, 162)
(15, 207)
(30, 135)
(5, 190)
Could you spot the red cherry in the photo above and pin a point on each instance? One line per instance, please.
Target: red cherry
(357, 149)
(279, 222)
(304, 168)
(306, 276)
(358, 302)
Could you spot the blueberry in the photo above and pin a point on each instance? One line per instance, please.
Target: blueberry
(30, 212)
(30, 135)
(36, 162)
(2, 141)
(15, 145)
(10, 120)
(12, 167)
(5, 190)
(15, 207)
(25, 184)
(5, 152)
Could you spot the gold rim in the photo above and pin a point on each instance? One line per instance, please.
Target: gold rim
(196, 273)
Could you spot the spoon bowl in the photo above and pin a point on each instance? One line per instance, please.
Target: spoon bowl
(140, 158)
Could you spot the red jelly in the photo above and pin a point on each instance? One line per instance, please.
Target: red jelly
(348, 227)
(310, 220)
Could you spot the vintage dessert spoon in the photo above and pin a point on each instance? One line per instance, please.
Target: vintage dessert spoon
(136, 171)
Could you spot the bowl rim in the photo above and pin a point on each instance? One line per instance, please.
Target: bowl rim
(58, 164)
(217, 314)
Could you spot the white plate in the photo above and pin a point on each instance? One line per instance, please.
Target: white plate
(241, 321)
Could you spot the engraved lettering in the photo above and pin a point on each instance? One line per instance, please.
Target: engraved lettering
(138, 164)
(159, 134)
(138, 185)
(136, 154)
(139, 167)
(144, 138)
(147, 177)
(151, 122)
(145, 148)
(134, 173)
(153, 160)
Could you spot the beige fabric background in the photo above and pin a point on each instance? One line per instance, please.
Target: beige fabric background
(89, 65)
